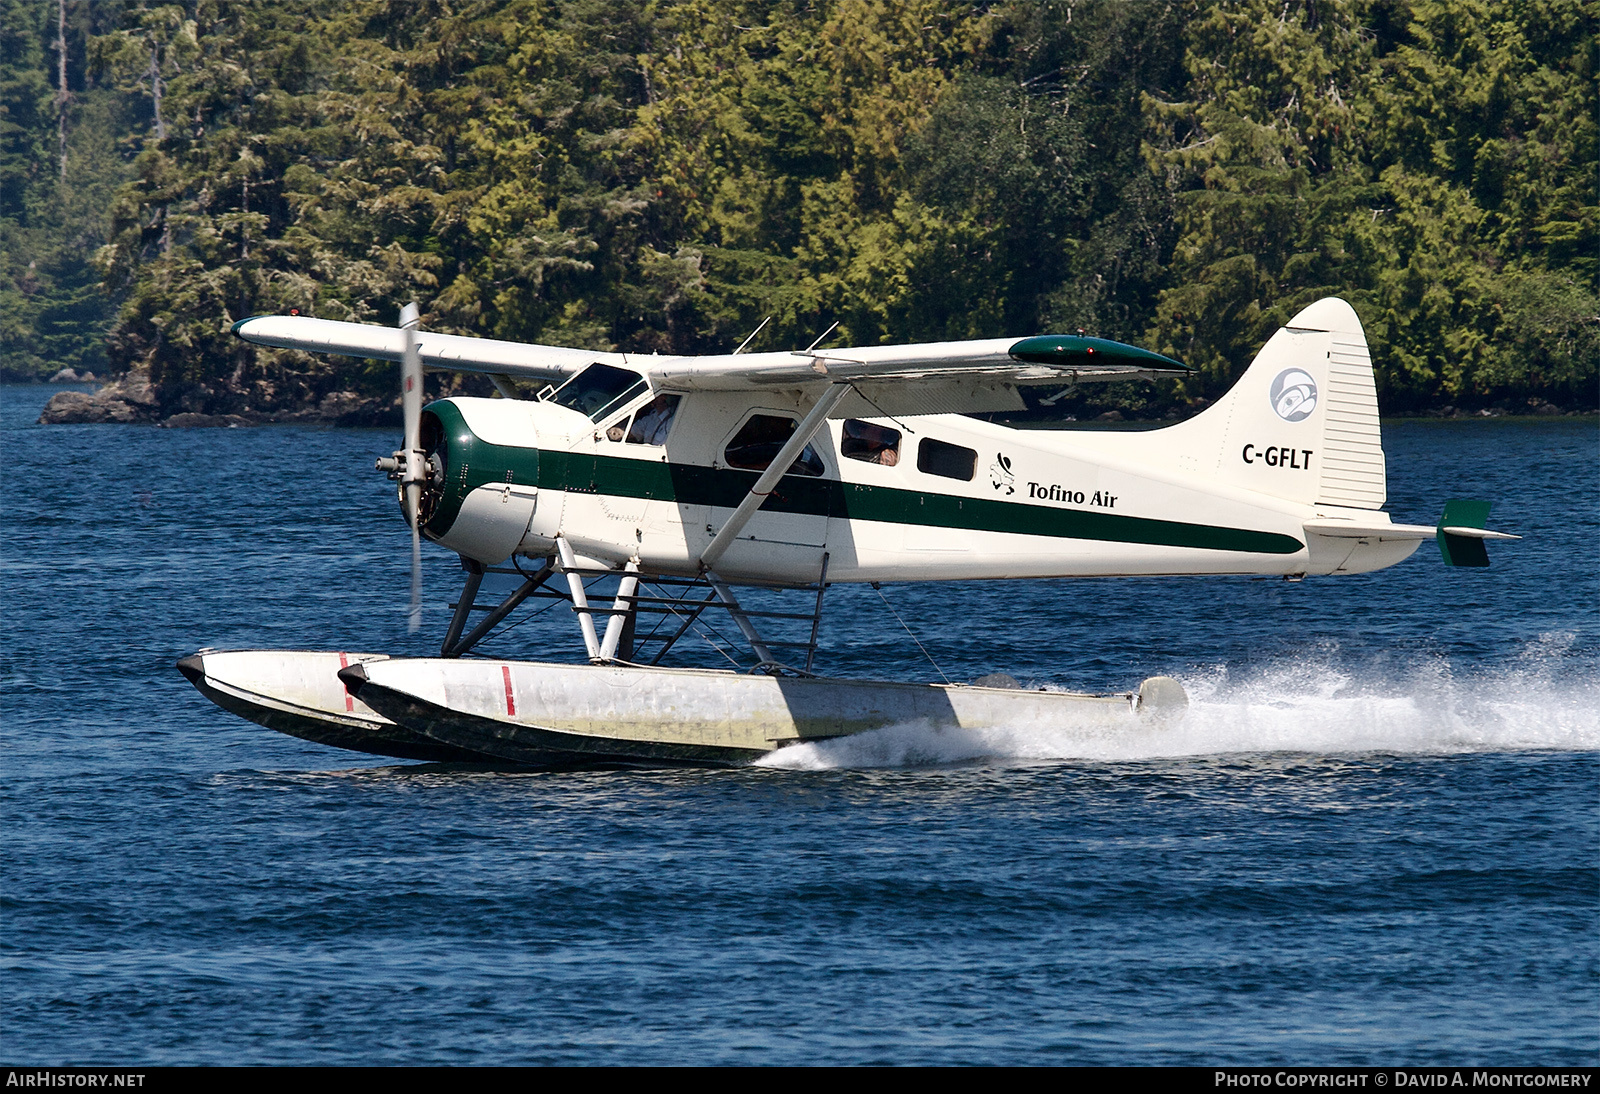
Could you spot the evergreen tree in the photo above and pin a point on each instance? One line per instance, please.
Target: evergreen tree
(1480, 243)
(53, 312)
(662, 175)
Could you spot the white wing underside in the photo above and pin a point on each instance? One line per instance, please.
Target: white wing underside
(928, 378)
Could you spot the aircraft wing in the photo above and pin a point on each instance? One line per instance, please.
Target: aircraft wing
(926, 378)
(449, 352)
(1042, 360)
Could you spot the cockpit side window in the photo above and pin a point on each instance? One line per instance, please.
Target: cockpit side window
(654, 420)
(870, 443)
(598, 390)
(759, 441)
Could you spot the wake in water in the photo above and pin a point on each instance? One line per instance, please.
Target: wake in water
(1312, 706)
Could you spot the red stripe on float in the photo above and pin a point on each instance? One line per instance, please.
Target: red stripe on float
(511, 703)
(349, 703)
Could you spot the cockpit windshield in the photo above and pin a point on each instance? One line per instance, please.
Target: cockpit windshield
(598, 390)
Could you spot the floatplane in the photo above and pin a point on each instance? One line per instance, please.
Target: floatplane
(679, 484)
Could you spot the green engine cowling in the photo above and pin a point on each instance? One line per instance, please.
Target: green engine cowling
(482, 488)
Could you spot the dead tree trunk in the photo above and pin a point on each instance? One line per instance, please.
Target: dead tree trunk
(63, 96)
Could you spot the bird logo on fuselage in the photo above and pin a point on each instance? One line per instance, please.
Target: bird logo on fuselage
(1000, 474)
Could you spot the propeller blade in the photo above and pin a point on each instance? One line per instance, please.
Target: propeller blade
(411, 406)
(414, 616)
(414, 468)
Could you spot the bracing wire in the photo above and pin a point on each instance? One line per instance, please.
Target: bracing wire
(877, 589)
(700, 634)
(880, 409)
(507, 628)
(502, 631)
(699, 627)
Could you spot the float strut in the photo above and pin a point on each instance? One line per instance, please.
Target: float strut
(816, 618)
(507, 606)
(469, 597)
(580, 601)
(748, 629)
(621, 612)
(688, 621)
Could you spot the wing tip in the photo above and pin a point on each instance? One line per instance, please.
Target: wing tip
(1080, 351)
(237, 328)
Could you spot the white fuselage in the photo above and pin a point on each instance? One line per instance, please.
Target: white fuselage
(1038, 503)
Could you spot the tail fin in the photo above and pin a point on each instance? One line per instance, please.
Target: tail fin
(1302, 422)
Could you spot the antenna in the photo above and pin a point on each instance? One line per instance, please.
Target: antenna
(753, 334)
(820, 337)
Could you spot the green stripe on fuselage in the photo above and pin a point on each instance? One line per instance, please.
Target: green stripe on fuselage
(688, 484)
(692, 485)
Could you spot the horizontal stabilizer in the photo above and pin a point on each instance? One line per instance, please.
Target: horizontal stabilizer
(1462, 534)
(1349, 529)
(1475, 533)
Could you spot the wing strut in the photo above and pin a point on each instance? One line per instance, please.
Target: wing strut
(809, 426)
(742, 621)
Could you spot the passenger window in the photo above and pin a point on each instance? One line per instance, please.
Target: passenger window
(759, 440)
(654, 420)
(870, 443)
(948, 460)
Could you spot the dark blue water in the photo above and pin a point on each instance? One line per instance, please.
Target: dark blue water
(1372, 841)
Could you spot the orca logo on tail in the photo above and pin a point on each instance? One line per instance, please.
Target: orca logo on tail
(1293, 395)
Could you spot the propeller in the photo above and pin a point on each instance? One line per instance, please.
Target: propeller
(409, 466)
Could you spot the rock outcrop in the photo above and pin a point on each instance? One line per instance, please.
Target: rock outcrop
(131, 399)
(134, 400)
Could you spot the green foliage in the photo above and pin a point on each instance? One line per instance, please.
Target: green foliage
(664, 175)
(1260, 157)
(1433, 162)
(53, 312)
(1482, 230)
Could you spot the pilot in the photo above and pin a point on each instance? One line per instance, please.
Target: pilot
(652, 423)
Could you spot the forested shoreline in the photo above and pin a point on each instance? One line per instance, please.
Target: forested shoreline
(661, 177)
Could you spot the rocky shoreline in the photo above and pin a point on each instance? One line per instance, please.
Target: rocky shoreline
(135, 400)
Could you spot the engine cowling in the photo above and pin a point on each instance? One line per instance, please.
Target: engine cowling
(482, 487)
